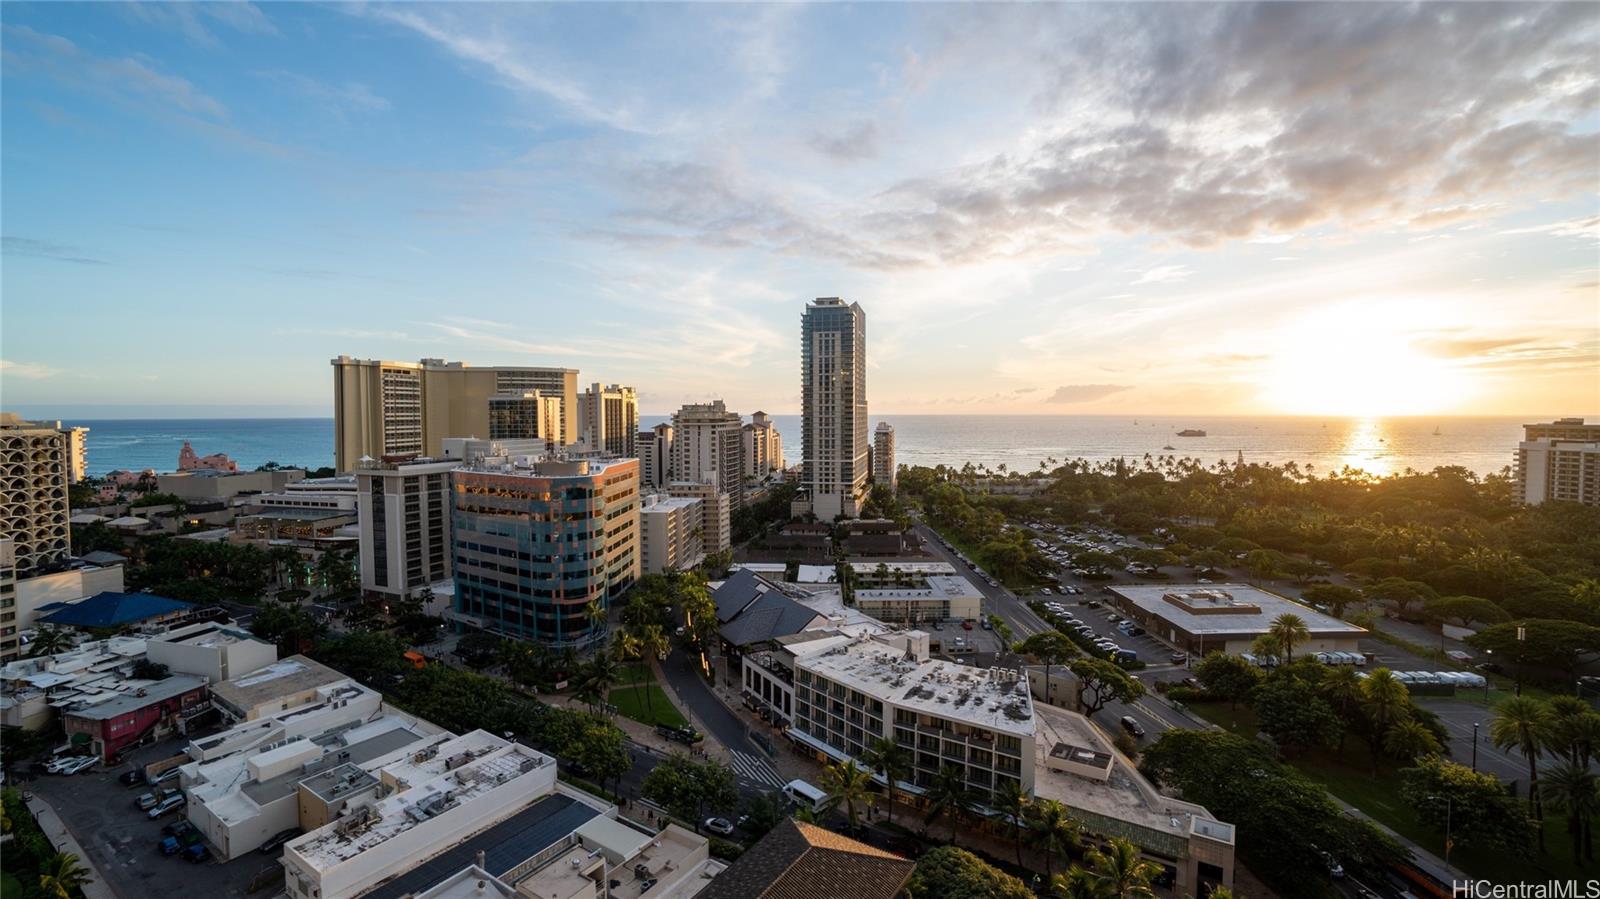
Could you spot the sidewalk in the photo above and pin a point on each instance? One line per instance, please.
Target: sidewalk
(787, 762)
(64, 842)
(1431, 864)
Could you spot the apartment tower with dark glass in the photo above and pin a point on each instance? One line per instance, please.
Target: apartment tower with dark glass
(833, 395)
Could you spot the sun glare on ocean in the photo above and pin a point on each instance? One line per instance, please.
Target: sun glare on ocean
(1356, 362)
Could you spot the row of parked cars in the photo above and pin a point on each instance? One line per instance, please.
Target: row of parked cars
(1069, 621)
(1450, 678)
(71, 764)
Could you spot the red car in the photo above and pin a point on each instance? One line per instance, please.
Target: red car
(966, 625)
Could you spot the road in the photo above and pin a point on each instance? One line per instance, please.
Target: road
(747, 760)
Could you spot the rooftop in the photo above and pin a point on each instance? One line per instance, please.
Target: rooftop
(529, 467)
(282, 678)
(110, 609)
(803, 861)
(208, 635)
(992, 698)
(100, 708)
(935, 586)
(771, 615)
(1124, 804)
(1225, 608)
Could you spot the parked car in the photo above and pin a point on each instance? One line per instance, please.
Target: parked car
(80, 765)
(1178, 658)
(170, 804)
(966, 625)
(150, 800)
(1045, 591)
(987, 625)
(178, 829)
(1132, 726)
(278, 839)
(684, 734)
(720, 826)
(167, 775)
(197, 853)
(131, 778)
(169, 846)
(59, 763)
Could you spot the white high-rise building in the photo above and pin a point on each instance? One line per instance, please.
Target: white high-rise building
(716, 523)
(654, 449)
(707, 444)
(671, 533)
(833, 393)
(1559, 461)
(35, 466)
(883, 467)
(608, 419)
(763, 447)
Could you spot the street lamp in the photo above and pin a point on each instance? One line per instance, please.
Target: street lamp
(1522, 634)
(1475, 746)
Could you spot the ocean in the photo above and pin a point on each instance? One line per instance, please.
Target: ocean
(1020, 442)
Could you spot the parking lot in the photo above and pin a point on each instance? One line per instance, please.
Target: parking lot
(123, 843)
(1152, 652)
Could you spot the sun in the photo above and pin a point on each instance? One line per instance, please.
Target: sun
(1357, 360)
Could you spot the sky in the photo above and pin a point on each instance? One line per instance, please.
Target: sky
(1344, 209)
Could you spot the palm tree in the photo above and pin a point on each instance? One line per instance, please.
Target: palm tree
(1523, 723)
(1408, 739)
(629, 649)
(652, 644)
(1076, 884)
(1577, 791)
(48, 641)
(948, 794)
(1385, 701)
(1289, 629)
(597, 676)
(891, 760)
(1011, 802)
(1053, 830)
(595, 611)
(847, 783)
(1120, 872)
(61, 875)
(1343, 688)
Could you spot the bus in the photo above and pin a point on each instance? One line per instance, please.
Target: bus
(805, 795)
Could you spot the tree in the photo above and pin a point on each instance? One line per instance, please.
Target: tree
(952, 873)
(61, 875)
(601, 750)
(1049, 648)
(685, 787)
(1100, 682)
(292, 628)
(1288, 629)
(1294, 713)
(1120, 873)
(1524, 724)
(47, 641)
(762, 812)
(478, 649)
(1228, 677)
(1335, 596)
(1341, 686)
(1052, 829)
(1575, 790)
(597, 676)
(371, 657)
(1410, 740)
(1575, 730)
(1404, 594)
(1473, 805)
(893, 762)
(144, 669)
(594, 612)
(1011, 806)
(846, 783)
(1464, 611)
(948, 795)
(1552, 643)
(1385, 701)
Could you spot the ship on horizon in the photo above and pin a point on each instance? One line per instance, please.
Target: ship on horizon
(1191, 432)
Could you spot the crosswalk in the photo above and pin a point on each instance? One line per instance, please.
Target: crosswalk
(754, 768)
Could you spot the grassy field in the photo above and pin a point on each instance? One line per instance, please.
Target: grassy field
(658, 709)
(1349, 777)
(637, 673)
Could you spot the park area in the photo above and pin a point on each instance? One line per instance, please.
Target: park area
(638, 696)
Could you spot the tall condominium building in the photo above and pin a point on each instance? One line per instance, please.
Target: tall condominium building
(403, 511)
(77, 454)
(529, 415)
(671, 533)
(1560, 461)
(883, 468)
(384, 408)
(35, 458)
(536, 542)
(654, 449)
(763, 447)
(715, 512)
(833, 396)
(608, 419)
(707, 442)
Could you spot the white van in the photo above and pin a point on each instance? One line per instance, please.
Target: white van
(805, 795)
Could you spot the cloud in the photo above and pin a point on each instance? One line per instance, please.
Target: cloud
(1588, 228)
(1163, 274)
(46, 249)
(352, 96)
(1085, 393)
(858, 140)
(190, 19)
(126, 77)
(31, 371)
(1467, 347)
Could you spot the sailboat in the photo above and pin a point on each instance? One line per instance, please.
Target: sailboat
(1435, 430)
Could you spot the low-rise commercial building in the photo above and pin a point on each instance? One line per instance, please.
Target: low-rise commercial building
(800, 859)
(926, 598)
(32, 689)
(671, 533)
(287, 683)
(874, 537)
(1227, 618)
(213, 651)
(21, 598)
(145, 710)
(208, 484)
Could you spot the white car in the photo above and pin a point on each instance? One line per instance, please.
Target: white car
(80, 764)
(169, 804)
(60, 764)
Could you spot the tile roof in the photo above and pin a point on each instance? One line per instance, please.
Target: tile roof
(110, 609)
(802, 861)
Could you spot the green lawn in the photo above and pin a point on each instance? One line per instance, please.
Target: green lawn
(637, 673)
(1349, 777)
(632, 702)
(10, 887)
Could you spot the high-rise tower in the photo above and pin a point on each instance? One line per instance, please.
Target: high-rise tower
(833, 394)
